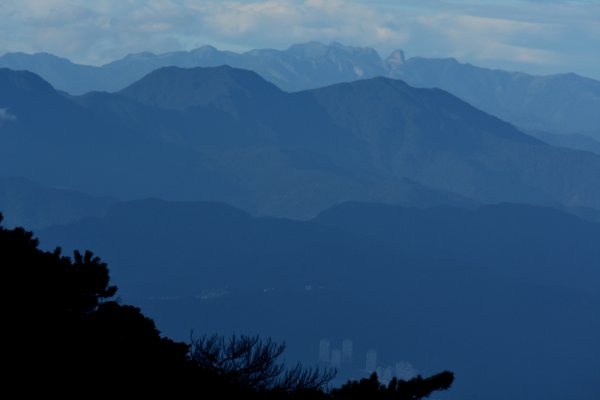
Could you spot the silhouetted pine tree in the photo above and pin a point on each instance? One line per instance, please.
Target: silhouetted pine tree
(62, 326)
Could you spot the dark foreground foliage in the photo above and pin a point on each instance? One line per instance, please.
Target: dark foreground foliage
(416, 388)
(63, 326)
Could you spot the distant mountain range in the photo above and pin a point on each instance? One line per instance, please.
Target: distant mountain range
(505, 290)
(27, 204)
(572, 141)
(562, 104)
(369, 209)
(225, 134)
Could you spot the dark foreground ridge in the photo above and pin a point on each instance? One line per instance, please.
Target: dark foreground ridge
(65, 323)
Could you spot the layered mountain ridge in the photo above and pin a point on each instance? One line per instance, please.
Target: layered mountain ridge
(372, 209)
(564, 103)
(225, 134)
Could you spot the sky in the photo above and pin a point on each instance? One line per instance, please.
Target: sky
(535, 36)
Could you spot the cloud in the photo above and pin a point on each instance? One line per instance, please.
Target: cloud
(6, 115)
(484, 38)
(279, 23)
(104, 30)
(526, 34)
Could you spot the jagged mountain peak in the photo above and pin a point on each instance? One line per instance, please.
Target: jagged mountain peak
(316, 49)
(204, 50)
(139, 56)
(396, 57)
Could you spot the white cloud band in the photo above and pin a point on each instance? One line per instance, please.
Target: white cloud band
(521, 32)
(6, 115)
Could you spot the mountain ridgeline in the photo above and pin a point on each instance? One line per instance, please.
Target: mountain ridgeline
(28, 204)
(365, 202)
(564, 104)
(228, 135)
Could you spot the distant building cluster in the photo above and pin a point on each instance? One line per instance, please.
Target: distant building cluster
(371, 364)
(343, 358)
(335, 357)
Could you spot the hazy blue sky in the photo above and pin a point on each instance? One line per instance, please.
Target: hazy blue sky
(539, 36)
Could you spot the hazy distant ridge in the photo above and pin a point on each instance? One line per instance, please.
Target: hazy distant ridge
(225, 134)
(565, 103)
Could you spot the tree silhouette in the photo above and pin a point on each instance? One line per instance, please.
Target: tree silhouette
(251, 364)
(61, 315)
(414, 389)
(60, 320)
